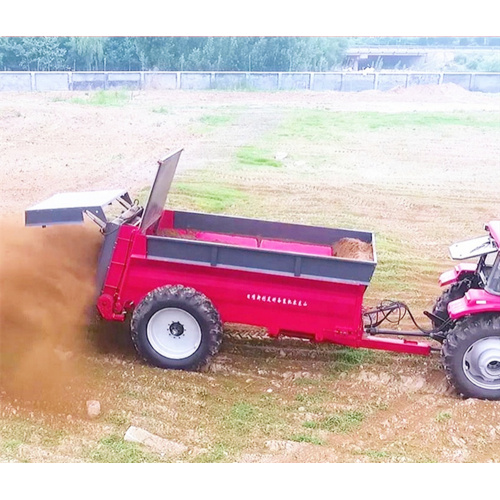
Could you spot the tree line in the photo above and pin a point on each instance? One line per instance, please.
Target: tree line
(196, 53)
(171, 53)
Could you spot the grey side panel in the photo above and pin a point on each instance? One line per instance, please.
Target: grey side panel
(265, 229)
(213, 254)
(108, 246)
(159, 190)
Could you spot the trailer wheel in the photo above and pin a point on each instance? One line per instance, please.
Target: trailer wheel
(440, 309)
(471, 357)
(176, 327)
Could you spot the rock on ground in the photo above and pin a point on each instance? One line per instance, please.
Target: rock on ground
(155, 443)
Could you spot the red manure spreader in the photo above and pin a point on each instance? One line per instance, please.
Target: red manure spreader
(180, 276)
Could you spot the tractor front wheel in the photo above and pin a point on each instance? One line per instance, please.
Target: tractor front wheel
(176, 327)
(471, 357)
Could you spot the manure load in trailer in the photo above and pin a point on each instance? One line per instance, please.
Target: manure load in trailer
(181, 275)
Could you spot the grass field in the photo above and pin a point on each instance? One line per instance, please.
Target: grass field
(419, 171)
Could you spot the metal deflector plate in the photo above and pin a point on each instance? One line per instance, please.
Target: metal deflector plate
(159, 191)
(68, 208)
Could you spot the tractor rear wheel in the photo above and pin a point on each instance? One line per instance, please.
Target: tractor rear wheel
(471, 357)
(440, 309)
(176, 327)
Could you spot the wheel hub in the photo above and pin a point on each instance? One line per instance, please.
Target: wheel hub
(174, 333)
(176, 329)
(481, 363)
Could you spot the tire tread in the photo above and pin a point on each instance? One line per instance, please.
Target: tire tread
(464, 332)
(190, 297)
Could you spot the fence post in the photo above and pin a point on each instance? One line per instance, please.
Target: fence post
(32, 80)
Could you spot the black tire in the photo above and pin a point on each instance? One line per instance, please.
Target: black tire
(176, 327)
(471, 357)
(440, 309)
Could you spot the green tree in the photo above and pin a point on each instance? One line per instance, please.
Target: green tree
(32, 53)
(120, 53)
(89, 51)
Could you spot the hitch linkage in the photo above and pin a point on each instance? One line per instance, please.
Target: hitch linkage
(393, 312)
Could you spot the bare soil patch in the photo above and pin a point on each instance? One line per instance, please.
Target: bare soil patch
(258, 402)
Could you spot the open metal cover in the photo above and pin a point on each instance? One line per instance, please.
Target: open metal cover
(159, 191)
(68, 208)
(472, 248)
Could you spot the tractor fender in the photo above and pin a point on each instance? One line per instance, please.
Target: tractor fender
(475, 301)
(453, 275)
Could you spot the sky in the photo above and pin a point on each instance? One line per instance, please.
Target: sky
(250, 18)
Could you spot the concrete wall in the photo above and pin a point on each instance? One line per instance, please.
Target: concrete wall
(350, 81)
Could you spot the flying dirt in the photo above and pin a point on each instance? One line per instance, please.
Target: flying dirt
(46, 293)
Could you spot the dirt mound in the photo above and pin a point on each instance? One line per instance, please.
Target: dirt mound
(47, 289)
(423, 91)
(352, 248)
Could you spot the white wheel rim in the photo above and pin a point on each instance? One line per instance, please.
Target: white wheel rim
(481, 363)
(174, 333)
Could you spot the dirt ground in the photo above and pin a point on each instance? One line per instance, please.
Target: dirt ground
(406, 410)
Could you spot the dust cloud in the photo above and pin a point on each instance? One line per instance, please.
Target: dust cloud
(47, 290)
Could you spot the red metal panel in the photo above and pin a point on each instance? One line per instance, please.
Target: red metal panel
(475, 301)
(227, 239)
(453, 275)
(324, 311)
(494, 229)
(279, 303)
(292, 246)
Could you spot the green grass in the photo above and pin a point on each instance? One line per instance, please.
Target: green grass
(252, 156)
(20, 432)
(375, 455)
(114, 449)
(11, 446)
(324, 125)
(304, 438)
(216, 120)
(314, 399)
(252, 415)
(26, 432)
(211, 122)
(346, 359)
(117, 418)
(208, 196)
(161, 110)
(443, 416)
(217, 453)
(339, 423)
(242, 414)
(103, 98)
